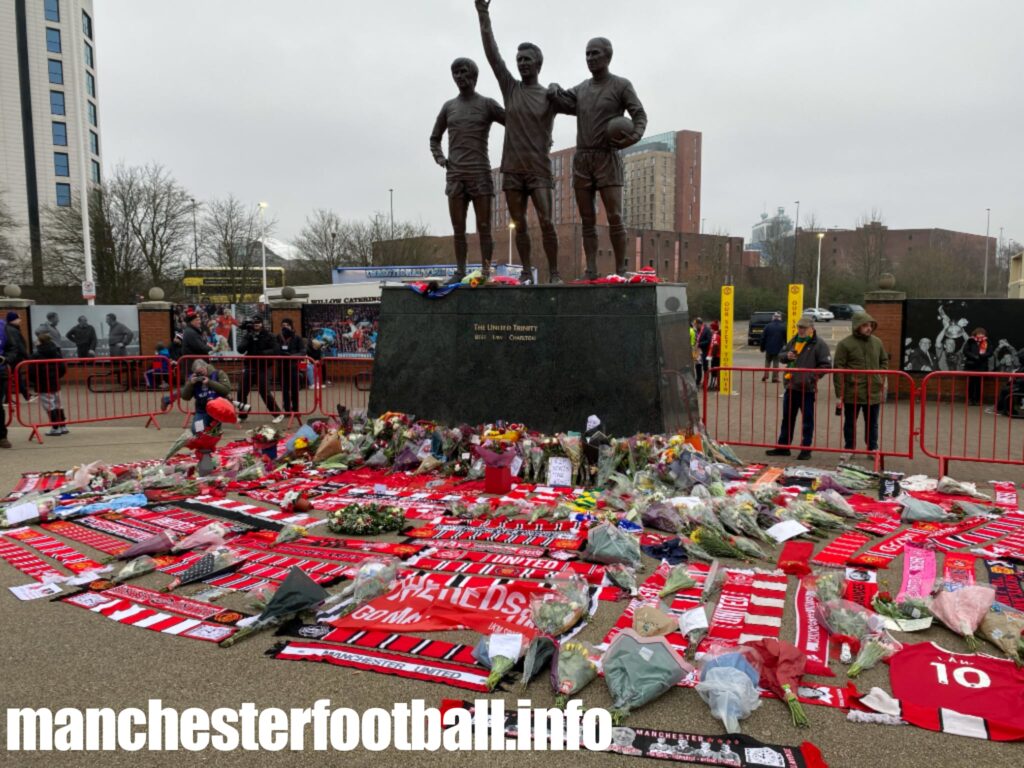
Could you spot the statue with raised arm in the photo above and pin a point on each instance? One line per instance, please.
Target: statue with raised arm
(598, 104)
(526, 155)
(467, 118)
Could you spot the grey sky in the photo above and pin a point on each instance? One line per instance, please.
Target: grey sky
(912, 107)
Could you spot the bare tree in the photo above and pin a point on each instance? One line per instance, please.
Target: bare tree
(8, 260)
(230, 233)
(868, 259)
(322, 245)
(157, 211)
(401, 239)
(118, 264)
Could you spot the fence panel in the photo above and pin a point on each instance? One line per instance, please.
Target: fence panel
(971, 416)
(766, 411)
(87, 390)
(345, 382)
(278, 386)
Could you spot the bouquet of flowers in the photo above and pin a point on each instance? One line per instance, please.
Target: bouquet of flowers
(571, 671)
(499, 653)
(638, 670)
(964, 609)
(137, 567)
(212, 563)
(289, 533)
(607, 543)
(573, 447)
(827, 585)
(538, 655)
(622, 576)
(375, 577)
(609, 458)
(649, 621)
(908, 615)
(956, 488)
(918, 510)
(728, 684)
(808, 514)
(782, 666)
(678, 578)
(832, 501)
(873, 650)
(1004, 628)
(556, 612)
(366, 519)
(207, 537)
(849, 624)
(717, 545)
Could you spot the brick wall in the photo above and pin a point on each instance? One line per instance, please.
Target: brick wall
(154, 328)
(889, 316)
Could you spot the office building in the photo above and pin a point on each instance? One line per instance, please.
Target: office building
(50, 139)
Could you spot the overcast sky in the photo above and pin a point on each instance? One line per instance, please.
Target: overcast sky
(911, 107)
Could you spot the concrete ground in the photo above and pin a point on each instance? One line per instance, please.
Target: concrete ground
(55, 655)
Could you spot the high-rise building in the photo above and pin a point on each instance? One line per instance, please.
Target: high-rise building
(49, 113)
(662, 190)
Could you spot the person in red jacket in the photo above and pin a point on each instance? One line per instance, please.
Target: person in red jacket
(714, 355)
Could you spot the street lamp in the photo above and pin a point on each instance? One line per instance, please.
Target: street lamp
(817, 286)
(511, 229)
(391, 194)
(988, 220)
(796, 240)
(263, 246)
(195, 237)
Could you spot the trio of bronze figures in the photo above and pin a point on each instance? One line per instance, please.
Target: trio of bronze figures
(529, 116)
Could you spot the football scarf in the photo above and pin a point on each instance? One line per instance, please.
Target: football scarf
(1011, 547)
(483, 546)
(861, 586)
(733, 749)
(1006, 494)
(880, 525)
(1008, 581)
(972, 695)
(958, 571)
(408, 645)
(553, 539)
(793, 559)
(918, 573)
(326, 546)
(1007, 524)
(39, 482)
(185, 606)
(136, 615)
(811, 636)
(750, 608)
(543, 563)
(839, 551)
(98, 541)
(28, 562)
(936, 530)
(887, 550)
(250, 514)
(433, 671)
(123, 530)
(70, 558)
(453, 561)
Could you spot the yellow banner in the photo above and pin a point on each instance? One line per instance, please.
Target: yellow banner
(795, 308)
(725, 329)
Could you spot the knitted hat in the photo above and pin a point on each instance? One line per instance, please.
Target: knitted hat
(12, 316)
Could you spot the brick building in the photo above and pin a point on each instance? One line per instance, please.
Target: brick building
(662, 191)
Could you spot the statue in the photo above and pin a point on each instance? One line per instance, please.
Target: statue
(598, 104)
(525, 157)
(467, 118)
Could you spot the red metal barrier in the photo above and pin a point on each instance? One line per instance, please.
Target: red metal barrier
(753, 413)
(954, 429)
(85, 390)
(273, 381)
(346, 382)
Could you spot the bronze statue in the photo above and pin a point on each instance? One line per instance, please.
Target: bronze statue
(467, 118)
(598, 104)
(525, 157)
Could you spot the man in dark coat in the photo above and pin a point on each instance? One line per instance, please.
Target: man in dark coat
(83, 336)
(193, 343)
(772, 341)
(16, 351)
(805, 350)
(257, 344)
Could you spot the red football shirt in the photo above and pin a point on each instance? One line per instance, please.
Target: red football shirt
(966, 694)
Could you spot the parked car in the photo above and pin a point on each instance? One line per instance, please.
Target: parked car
(820, 315)
(845, 311)
(758, 321)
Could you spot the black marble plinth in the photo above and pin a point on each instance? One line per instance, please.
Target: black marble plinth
(546, 356)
